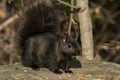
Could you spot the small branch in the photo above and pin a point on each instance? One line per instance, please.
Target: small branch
(116, 14)
(108, 48)
(8, 21)
(73, 21)
(71, 16)
(113, 45)
(72, 6)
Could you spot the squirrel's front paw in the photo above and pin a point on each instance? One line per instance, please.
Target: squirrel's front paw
(69, 71)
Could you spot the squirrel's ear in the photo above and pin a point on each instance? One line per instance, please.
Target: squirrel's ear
(63, 41)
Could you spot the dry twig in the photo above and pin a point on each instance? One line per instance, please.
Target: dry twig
(72, 6)
(8, 21)
(71, 16)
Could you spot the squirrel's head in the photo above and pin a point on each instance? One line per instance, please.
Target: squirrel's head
(70, 46)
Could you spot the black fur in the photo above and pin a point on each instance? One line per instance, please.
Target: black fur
(38, 18)
(39, 37)
(48, 51)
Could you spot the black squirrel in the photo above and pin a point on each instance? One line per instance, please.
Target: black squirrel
(41, 38)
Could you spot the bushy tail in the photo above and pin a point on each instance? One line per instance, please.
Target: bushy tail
(39, 18)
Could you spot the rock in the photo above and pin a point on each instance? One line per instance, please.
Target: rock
(83, 70)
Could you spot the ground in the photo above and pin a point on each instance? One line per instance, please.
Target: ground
(84, 70)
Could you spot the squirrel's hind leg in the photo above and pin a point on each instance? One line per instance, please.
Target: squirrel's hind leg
(51, 63)
(29, 60)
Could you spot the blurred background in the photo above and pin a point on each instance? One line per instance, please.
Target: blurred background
(105, 16)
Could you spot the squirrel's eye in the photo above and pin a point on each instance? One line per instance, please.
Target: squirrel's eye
(69, 46)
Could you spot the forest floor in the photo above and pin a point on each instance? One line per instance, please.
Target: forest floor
(83, 70)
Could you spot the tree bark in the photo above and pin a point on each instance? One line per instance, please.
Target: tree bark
(86, 30)
(3, 5)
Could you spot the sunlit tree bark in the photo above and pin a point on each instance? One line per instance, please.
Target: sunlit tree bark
(85, 30)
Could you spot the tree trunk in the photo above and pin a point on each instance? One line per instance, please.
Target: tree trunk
(3, 5)
(86, 30)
